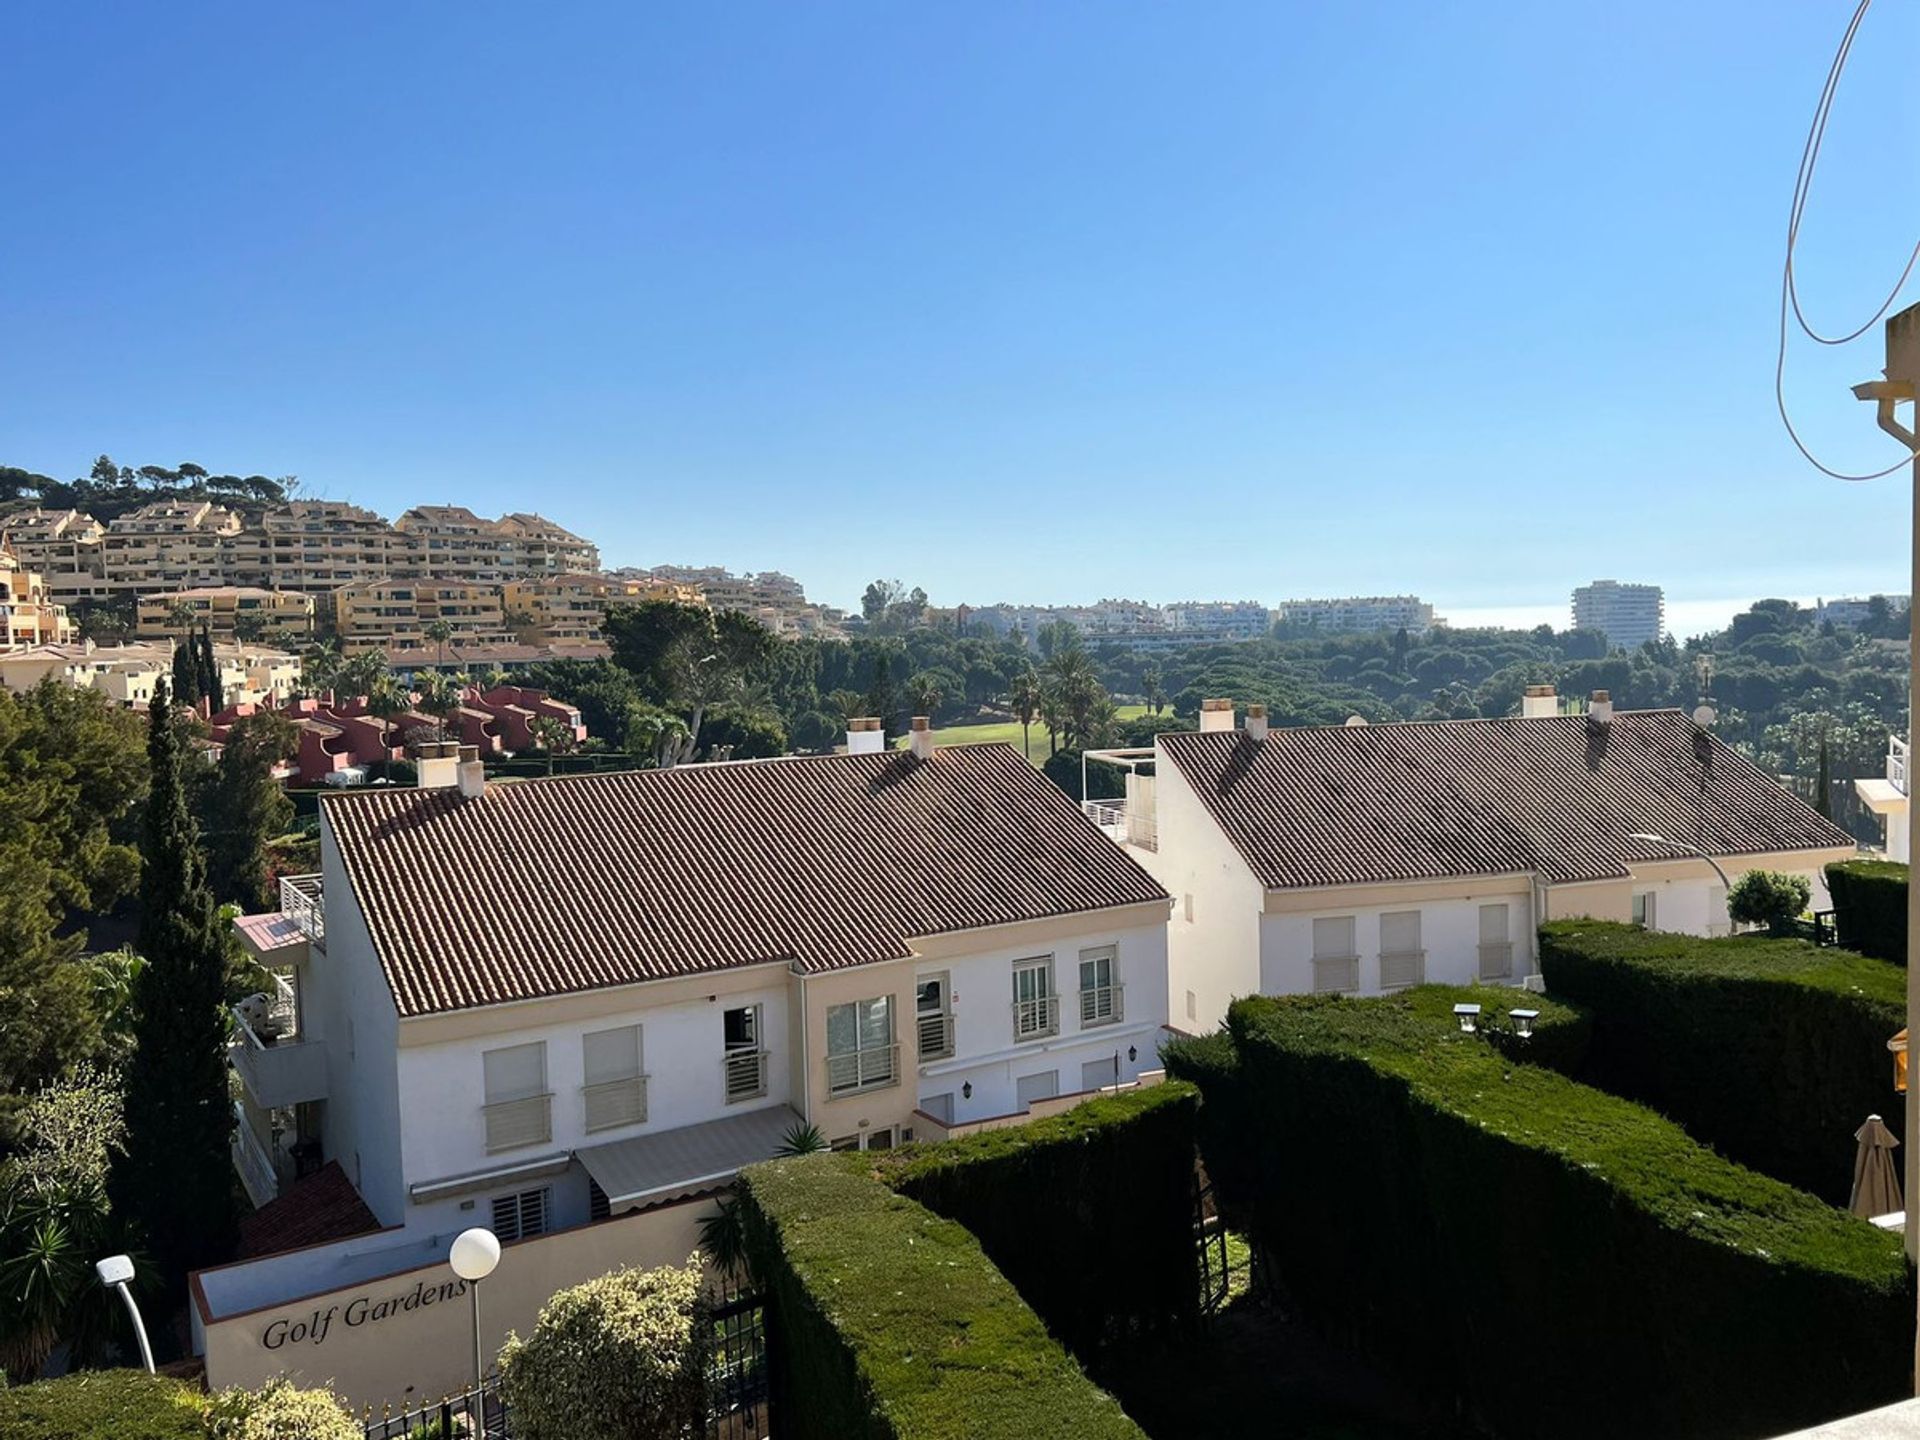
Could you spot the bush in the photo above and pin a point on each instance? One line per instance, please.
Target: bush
(624, 1355)
(1870, 907)
(1058, 1244)
(1770, 898)
(104, 1405)
(892, 1322)
(280, 1411)
(1441, 1206)
(1771, 1051)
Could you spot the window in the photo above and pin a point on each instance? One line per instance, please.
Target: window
(933, 1020)
(860, 1048)
(516, 1217)
(1043, 1086)
(1099, 987)
(1496, 949)
(1402, 961)
(599, 1207)
(518, 1106)
(1035, 1010)
(616, 1089)
(1643, 909)
(1096, 1074)
(1336, 966)
(744, 1059)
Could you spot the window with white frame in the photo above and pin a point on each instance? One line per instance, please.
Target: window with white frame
(1496, 943)
(1036, 1011)
(1402, 961)
(615, 1088)
(933, 1016)
(744, 1057)
(1643, 908)
(518, 1108)
(521, 1215)
(860, 1049)
(1099, 986)
(1336, 964)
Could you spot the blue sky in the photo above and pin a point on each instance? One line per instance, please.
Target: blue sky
(1038, 302)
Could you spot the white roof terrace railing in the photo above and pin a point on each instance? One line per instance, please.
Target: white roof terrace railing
(1897, 762)
(301, 901)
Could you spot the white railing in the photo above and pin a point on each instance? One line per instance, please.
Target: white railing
(746, 1072)
(300, 902)
(1335, 974)
(1402, 968)
(251, 1160)
(936, 1035)
(513, 1123)
(1109, 815)
(863, 1069)
(1897, 762)
(1036, 1017)
(1496, 959)
(280, 1025)
(1100, 1004)
(613, 1103)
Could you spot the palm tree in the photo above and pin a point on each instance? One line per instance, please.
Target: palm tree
(1152, 682)
(181, 617)
(249, 626)
(365, 672)
(1077, 704)
(657, 734)
(1024, 695)
(440, 697)
(320, 668)
(555, 736)
(386, 698)
(439, 632)
(924, 693)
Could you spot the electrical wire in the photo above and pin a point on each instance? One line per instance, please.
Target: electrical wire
(1789, 289)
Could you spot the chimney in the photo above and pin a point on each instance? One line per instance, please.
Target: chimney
(473, 775)
(1216, 715)
(922, 738)
(1539, 703)
(1600, 708)
(438, 764)
(1256, 723)
(864, 736)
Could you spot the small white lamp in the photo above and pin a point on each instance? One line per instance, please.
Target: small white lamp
(1468, 1016)
(474, 1254)
(1523, 1022)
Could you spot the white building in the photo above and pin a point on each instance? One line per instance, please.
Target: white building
(1629, 615)
(1359, 614)
(1365, 858)
(1851, 611)
(533, 1005)
(1887, 798)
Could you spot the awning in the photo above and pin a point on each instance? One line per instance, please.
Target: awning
(651, 1169)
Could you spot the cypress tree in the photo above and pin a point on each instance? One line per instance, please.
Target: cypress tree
(1823, 800)
(186, 672)
(880, 697)
(176, 1177)
(209, 672)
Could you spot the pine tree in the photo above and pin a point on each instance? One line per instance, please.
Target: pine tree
(175, 1177)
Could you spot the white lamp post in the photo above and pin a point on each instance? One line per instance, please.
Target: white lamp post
(474, 1254)
(115, 1272)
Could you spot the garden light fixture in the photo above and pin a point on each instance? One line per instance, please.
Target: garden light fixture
(1469, 1018)
(115, 1272)
(1523, 1022)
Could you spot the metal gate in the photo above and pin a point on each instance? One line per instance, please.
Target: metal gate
(1210, 1243)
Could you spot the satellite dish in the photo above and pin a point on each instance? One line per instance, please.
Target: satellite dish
(1356, 720)
(1704, 715)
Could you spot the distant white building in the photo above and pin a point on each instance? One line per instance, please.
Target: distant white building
(1848, 612)
(1359, 614)
(1628, 615)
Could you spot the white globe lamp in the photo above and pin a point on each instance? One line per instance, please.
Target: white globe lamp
(473, 1256)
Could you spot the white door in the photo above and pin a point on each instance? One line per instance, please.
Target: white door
(1043, 1086)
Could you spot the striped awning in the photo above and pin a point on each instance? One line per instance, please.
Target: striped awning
(652, 1169)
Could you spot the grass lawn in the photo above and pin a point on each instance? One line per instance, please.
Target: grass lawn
(1008, 732)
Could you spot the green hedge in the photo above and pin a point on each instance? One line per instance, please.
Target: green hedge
(1771, 1051)
(1565, 1262)
(1058, 1243)
(1562, 1033)
(1870, 907)
(891, 1322)
(104, 1405)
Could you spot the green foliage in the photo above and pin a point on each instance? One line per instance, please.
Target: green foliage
(280, 1410)
(893, 1323)
(1562, 1033)
(1110, 1177)
(801, 1139)
(1870, 907)
(1771, 1051)
(1438, 1203)
(621, 1356)
(109, 491)
(1769, 897)
(246, 810)
(104, 1405)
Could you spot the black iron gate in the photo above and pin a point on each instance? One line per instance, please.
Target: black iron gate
(1210, 1241)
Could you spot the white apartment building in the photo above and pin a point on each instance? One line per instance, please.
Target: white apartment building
(1359, 614)
(535, 1005)
(1887, 798)
(1362, 859)
(126, 674)
(1629, 615)
(1849, 612)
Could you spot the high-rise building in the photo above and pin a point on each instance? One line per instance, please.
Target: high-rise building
(1628, 615)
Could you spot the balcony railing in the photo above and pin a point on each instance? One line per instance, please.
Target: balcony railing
(277, 1064)
(1123, 829)
(746, 1072)
(1036, 1017)
(1897, 762)
(1336, 974)
(863, 1069)
(1100, 1004)
(513, 1123)
(251, 1160)
(1402, 968)
(300, 902)
(936, 1035)
(612, 1103)
(1496, 959)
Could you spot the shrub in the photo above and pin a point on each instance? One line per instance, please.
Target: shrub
(621, 1356)
(1058, 1244)
(1770, 898)
(893, 1323)
(1562, 1033)
(280, 1411)
(1771, 1051)
(1441, 1205)
(104, 1405)
(1870, 907)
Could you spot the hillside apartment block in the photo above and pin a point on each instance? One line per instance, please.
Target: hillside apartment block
(126, 674)
(28, 615)
(223, 611)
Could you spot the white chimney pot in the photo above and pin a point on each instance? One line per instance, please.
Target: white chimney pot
(1216, 715)
(922, 738)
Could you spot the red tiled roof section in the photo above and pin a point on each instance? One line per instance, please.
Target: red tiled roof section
(321, 1207)
(1358, 804)
(545, 887)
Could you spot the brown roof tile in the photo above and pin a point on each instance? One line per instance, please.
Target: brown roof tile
(543, 887)
(321, 1207)
(1345, 805)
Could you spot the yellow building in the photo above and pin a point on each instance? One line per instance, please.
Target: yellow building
(397, 614)
(169, 545)
(28, 616)
(228, 610)
(568, 609)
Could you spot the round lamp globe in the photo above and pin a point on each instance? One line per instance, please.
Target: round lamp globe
(474, 1254)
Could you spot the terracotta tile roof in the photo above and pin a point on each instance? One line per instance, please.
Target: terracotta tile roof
(1347, 805)
(322, 1207)
(542, 887)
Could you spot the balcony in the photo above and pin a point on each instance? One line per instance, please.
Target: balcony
(1036, 1018)
(511, 1124)
(274, 1061)
(1897, 763)
(868, 1069)
(301, 902)
(1122, 826)
(613, 1103)
(746, 1074)
(935, 1030)
(252, 1162)
(1100, 1005)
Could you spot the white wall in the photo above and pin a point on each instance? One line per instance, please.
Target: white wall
(1449, 933)
(986, 1053)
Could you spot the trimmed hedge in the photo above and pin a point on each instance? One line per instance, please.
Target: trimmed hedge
(1870, 907)
(104, 1405)
(892, 1322)
(1771, 1051)
(1565, 1261)
(1562, 1034)
(1058, 1244)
